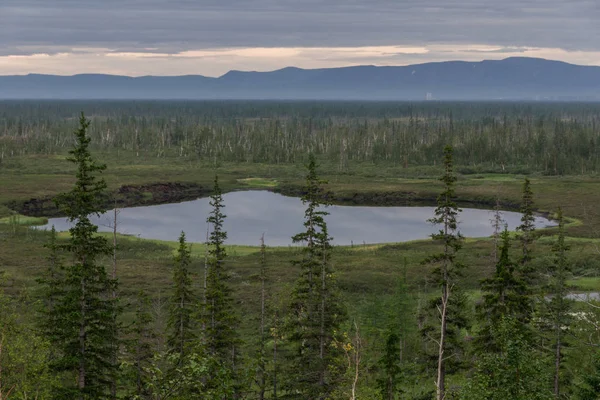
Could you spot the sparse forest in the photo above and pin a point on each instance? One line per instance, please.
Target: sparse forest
(552, 139)
(90, 315)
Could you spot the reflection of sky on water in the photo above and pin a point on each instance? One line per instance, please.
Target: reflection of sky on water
(251, 213)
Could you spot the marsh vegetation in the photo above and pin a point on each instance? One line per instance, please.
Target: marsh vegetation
(447, 317)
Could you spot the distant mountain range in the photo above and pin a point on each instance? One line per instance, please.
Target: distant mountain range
(516, 78)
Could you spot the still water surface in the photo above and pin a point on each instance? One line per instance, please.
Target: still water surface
(252, 213)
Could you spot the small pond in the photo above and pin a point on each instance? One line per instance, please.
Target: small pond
(252, 213)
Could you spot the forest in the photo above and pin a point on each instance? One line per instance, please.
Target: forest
(102, 315)
(547, 138)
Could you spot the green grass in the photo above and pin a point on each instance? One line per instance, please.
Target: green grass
(259, 182)
(586, 284)
(19, 219)
(35, 176)
(499, 177)
(368, 268)
(363, 183)
(5, 211)
(367, 275)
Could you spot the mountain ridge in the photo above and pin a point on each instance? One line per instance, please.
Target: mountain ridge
(513, 78)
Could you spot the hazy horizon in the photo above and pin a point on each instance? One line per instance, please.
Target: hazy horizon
(179, 37)
(278, 69)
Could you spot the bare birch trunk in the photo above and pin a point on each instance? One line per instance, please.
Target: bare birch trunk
(262, 383)
(441, 372)
(357, 357)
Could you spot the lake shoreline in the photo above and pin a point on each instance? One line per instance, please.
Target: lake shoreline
(177, 192)
(252, 212)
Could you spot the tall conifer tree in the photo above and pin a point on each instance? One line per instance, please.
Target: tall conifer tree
(401, 315)
(559, 306)
(514, 372)
(447, 266)
(503, 298)
(180, 324)
(222, 339)
(316, 313)
(589, 388)
(140, 348)
(261, 373)
(85, 310)
(52, 293)
(526, 233)
(389, 383)
(497, 223)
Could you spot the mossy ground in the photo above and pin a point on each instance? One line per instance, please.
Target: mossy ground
(29, 177)
(368, 274)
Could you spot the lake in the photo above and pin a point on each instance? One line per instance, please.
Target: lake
(252, 213)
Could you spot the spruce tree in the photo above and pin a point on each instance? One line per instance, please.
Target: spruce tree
(180, 324)
(221, 321)
(401, 315)
(526, 233)
(514, 371)
(589, 388)
(85, 309)
(140, 349)
(261, 367)
(497, 224)
(52, 293)
(503, 297)
(447, 267)
(316, 314)
(559, 306)
(390, 363)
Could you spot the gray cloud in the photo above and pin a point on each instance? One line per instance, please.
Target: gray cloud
(502, 50)
(53, 26)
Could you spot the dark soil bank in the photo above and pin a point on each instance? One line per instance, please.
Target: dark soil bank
(396, 198)
(173, 192)
(126, 196)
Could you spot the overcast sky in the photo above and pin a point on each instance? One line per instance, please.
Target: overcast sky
(211, 37)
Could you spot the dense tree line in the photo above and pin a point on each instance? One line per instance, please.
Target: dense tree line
(545, 138)
(307, 345)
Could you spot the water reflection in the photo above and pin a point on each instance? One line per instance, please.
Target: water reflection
(251, 213)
